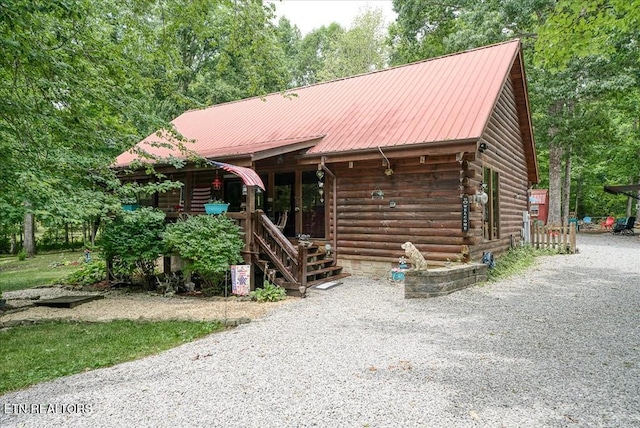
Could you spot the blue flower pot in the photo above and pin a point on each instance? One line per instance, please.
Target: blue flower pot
(215, 208)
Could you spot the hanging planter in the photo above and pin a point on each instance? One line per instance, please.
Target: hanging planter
(215, 207)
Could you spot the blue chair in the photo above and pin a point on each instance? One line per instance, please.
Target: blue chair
(586, 222)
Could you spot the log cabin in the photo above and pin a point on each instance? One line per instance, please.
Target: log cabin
(438, 152)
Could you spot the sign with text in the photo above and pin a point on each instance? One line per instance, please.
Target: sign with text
(465, 213)
(240, 279)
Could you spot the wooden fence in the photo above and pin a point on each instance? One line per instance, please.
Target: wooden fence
(561, 238)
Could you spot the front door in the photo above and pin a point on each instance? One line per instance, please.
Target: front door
(284, 193)
(303, 200)
(313, 194)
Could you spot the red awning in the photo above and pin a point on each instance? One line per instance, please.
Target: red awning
(248, 176)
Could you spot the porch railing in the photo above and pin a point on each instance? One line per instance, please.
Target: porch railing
(290, 261)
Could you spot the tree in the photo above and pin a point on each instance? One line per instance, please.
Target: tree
(425, 29)
(312, 51)
(82, 81)
(604, 34)
(69, 94)
(360, 49)
(586, 28)
(213, 51)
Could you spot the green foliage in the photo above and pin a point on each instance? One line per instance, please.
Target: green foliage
(37, 353)
(22, 255)
(516, 261)
(209, 243)
(88, 274)
(268, 293)
(332, 51)
(360, 49)
(134, 241)
(586, 28)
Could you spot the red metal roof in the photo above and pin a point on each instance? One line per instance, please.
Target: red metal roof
(443, 99)
(539, 196)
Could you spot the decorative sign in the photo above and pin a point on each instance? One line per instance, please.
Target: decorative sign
(465, 213)
(240, 279)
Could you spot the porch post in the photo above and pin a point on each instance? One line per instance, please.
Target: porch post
(248, 231)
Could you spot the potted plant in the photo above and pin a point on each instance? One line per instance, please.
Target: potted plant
(215, 206)
(129, 204)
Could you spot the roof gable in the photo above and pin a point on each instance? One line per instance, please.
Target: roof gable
(438, 100)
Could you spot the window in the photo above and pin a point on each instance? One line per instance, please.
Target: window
(491, 223)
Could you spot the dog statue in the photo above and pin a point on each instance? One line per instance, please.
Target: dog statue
(415, 257)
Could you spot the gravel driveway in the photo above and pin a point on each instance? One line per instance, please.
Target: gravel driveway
(558, 346)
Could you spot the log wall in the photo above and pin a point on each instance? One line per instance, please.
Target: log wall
(506, 155)
(421, 204)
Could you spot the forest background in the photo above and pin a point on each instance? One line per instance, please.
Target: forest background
(82, 81)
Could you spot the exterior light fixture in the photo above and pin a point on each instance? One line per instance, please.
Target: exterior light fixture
(482, 147)
(480, 197)
(217, 183)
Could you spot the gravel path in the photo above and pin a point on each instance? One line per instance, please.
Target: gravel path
(558, 346)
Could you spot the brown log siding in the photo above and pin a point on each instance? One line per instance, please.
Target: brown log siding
(506, 155)
(427, 211)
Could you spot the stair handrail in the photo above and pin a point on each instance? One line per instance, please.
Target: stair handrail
(285, 254)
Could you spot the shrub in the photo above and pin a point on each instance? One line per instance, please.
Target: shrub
(209, 244)
(515, 261)
(133, 240)
(268, 293)
(22, 255)
(89, 273)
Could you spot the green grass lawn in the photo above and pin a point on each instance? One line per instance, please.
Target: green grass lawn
(36, 353)
(40, 270)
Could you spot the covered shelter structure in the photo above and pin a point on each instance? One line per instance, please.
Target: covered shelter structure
(629, 190)
(439, 153)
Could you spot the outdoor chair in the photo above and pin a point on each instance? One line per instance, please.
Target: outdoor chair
(626, 228)
(282, 221)
(586, 222)
(608, 223)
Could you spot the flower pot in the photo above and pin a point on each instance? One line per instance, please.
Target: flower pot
(215, 208)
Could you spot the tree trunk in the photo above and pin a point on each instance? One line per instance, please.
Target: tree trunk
(555, 183)
(566, 188)
(29, 243)
(95, 225)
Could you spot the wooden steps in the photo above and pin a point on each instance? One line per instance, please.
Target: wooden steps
(291, 265)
